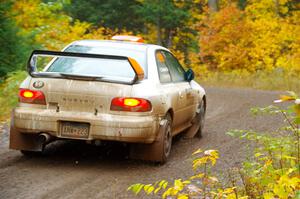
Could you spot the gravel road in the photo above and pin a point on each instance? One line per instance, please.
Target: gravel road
(76, 170)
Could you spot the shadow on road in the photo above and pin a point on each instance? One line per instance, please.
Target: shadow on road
(79, 152)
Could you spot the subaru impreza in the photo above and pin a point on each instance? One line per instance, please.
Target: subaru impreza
(111, 90)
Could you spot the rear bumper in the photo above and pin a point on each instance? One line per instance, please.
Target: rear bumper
(136, 129)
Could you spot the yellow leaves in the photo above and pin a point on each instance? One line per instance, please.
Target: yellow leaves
(148, 188)
(197, 151)
(258, 154)
(179, 185)
(53, 29)
(197, 176)
(269, 195)
(136, 188)
(208, 156)
(183, 196)
(228, 193)
(285, 186)
(229, 190)
(254, 39)
(286, 98)
(291, 97)
(223, 38)
(268, 162)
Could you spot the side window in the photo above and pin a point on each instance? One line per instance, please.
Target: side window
(163, 70)
(176, 70)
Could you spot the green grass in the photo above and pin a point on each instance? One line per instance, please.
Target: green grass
(274, 80)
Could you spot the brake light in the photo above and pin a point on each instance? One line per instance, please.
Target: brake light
(31, 96)
(130, 104)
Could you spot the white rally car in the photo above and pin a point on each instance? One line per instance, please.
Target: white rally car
(118, 90)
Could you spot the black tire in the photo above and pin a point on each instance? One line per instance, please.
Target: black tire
(31, 153)
(158, 151)
(167, 140)
(201, 116)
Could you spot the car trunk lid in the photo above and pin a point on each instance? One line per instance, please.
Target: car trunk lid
(80, 95)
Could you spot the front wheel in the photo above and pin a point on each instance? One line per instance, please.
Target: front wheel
(200, 115)
(166, 140)
(31, 153)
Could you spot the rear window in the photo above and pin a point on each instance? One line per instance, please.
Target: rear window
(108, 68)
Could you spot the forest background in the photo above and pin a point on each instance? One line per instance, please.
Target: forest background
(250, 43)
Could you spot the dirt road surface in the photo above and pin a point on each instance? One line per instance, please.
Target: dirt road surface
(76, 170)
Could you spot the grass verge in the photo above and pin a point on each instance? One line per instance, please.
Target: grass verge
(274, 80)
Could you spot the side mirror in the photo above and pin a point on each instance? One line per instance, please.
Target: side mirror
(189, 75)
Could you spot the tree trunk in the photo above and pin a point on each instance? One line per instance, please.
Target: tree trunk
(213, 5)
(158, 33)
(276, 2)
(169, 38)
(242, 4)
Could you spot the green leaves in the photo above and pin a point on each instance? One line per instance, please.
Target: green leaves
(15, 48)
(9, 90)
(136, 188)
(148, 188)
(265, 110)
(275, 171)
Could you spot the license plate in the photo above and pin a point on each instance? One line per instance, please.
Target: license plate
(74, 129)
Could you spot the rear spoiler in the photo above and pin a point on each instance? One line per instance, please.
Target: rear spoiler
(32, 70)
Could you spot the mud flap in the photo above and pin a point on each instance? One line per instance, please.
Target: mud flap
(193, 130)
(150, 152)
(22, 141)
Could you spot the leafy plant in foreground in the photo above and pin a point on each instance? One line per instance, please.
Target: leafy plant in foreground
(202, 184)
(9, 93)
(274, 172)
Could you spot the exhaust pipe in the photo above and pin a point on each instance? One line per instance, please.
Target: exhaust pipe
(45, 138)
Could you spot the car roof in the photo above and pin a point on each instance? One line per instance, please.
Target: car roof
(117, 44)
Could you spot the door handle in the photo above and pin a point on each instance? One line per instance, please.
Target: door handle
(189, 91)
(180, 95)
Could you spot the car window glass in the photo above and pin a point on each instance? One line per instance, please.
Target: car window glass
(101, 67)
(176, 70)
(108, 68)
(163, 70)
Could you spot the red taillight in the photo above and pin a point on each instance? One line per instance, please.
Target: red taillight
(31, 96)
(130, 104)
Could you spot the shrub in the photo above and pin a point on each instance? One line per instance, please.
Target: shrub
(9, 93)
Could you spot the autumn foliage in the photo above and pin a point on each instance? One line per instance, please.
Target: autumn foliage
(254, 43)
(51, 27)
(263, 36)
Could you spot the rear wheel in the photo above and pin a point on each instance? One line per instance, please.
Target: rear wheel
(160, 149)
